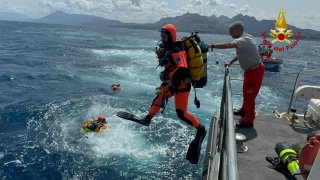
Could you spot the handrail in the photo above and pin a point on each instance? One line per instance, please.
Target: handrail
(232, 165)
(296, 84)
(221, 157)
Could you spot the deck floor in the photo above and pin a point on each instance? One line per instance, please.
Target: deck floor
(267, 132)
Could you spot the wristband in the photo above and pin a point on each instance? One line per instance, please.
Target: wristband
(212, 46)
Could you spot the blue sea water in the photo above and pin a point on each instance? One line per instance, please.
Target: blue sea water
(54, 77)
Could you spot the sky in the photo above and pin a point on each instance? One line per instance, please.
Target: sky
(302, 14)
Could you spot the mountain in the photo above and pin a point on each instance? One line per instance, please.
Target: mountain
(60, 17)
(185, 23)
(220, 25)
(9, 16)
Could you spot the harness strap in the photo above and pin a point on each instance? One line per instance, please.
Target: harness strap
(194, 45)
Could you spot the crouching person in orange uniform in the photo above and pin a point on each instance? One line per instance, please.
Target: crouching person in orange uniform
(175, 78)
(309, 153)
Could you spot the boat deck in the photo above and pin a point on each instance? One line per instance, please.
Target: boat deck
(267, 132)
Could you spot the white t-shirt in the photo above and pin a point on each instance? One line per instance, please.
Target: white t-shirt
(247, 52)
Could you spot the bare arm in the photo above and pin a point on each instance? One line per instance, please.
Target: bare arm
(225, 45)
(232, 61)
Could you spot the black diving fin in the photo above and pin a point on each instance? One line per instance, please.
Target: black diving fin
(194, 149)
(131, 117)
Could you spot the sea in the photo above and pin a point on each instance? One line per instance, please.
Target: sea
(53, 78)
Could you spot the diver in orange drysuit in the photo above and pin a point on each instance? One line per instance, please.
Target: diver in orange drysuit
(175, 78)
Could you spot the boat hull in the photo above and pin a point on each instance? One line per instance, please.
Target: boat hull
(273, 65)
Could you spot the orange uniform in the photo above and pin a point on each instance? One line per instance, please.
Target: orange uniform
(308, 154)
(176, 79)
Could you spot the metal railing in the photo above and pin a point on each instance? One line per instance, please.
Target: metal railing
(306, 71)
(221, 153)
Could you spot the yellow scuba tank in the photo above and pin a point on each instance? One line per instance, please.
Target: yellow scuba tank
(195, 60)
(203, 81)
(196, 52)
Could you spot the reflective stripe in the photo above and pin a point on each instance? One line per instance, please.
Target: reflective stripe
(293, 167)
(289, 159)
(285, 154)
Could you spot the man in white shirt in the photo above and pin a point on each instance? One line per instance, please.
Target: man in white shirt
(250, 61)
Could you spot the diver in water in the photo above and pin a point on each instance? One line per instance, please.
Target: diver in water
(94, 125)
(116, 87)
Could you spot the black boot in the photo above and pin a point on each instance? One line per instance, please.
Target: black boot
(201, 133)
(147, 120)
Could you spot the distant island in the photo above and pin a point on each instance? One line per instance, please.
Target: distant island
(186, 23)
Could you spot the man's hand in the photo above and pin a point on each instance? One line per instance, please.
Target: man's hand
(210, 46)
(227, 64)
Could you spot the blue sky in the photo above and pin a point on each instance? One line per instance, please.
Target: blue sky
(299, 13)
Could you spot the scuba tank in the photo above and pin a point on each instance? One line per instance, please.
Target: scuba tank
(203, 81)
(195, 60)
(196, 51)
(288, 157)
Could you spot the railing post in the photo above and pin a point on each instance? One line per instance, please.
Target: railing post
(292, 94)
(232, 163)
(296, 84)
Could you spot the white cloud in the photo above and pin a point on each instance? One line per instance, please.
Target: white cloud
(123, 10)
(195, 6)
(261, 15)
(230, 5)
(136, 2)
(10, 7)
(215, 12)
(141, 11)
(214, 2)
(241, 10)
(148, 11)
(244, 8)
(308, 20)
(196, 2)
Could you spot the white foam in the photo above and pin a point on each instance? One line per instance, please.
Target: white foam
(136, 66)
(10, 162)
(1, 155)
(132, 54)
(263, 99)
